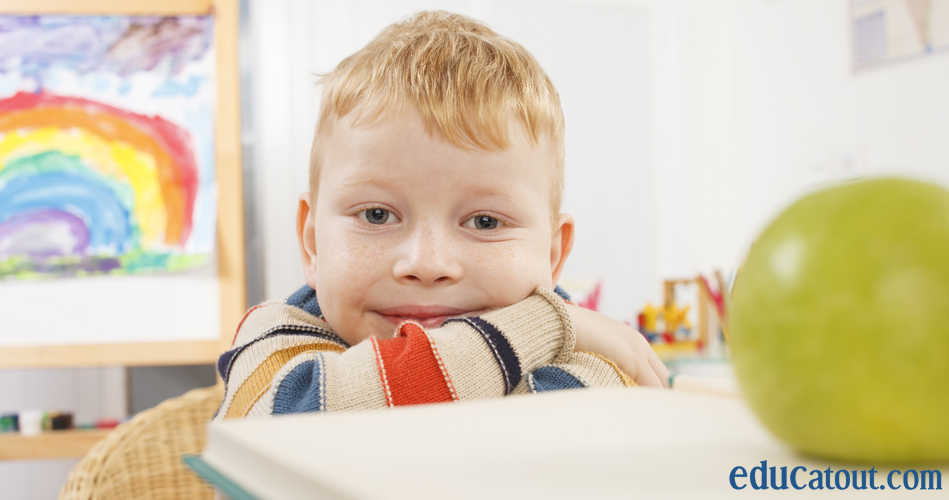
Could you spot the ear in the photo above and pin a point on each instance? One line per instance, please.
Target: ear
(306, 238)
(560, 245)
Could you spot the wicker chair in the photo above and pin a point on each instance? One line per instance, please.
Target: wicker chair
(141, 459)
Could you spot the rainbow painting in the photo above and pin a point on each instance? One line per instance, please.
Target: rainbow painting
(106, 145)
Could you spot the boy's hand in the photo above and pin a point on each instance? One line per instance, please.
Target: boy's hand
(620, 344)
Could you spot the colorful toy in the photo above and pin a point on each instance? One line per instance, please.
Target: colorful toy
(648, 319)
(669, 328)
(9, 423)
(676, 324)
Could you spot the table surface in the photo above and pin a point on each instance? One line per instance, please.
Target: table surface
(615, 443)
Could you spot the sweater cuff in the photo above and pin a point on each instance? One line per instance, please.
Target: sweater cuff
(539, 329)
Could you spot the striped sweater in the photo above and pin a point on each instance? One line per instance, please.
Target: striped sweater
(286, 358)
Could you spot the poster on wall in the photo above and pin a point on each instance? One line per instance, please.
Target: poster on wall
(106, 144)
(895, 30)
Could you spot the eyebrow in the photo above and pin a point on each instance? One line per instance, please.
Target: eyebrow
(383, 183)
(494, 191)
(362, 181)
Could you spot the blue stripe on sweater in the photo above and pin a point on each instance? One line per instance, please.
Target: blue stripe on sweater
(501, 348)
(561, 292)
(224, 363)
(301, 391)
(305, 298)
(551, 378)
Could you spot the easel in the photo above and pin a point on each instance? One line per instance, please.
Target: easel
(230, 228)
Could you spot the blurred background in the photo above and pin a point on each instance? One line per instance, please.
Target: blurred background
(689, 124)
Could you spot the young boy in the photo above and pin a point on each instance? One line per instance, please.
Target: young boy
(432, 237)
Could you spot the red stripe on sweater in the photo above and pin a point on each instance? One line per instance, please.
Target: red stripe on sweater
(239, 325)
(411, 368)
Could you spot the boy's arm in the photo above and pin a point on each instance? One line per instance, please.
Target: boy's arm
(620, 343)
(288, 361)
(583, 370)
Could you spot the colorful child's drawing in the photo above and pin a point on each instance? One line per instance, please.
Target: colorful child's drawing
(106, 144)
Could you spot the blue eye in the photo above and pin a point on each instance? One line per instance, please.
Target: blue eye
(378, 216)
(483, 222)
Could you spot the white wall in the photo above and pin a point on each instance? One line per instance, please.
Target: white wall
(805, 118)
(770, 109)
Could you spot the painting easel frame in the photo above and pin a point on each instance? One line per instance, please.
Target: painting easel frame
(229, 246)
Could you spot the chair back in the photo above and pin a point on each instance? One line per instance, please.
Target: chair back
(141, 458)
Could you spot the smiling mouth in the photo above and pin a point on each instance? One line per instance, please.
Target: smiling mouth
(426, 316)
(432, 322)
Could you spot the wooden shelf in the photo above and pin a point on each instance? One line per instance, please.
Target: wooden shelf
(52, 444)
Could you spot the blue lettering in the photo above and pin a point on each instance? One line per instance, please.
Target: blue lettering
(873, 476)
(828, 472)
(846, 476)
(758, 478)
(819, 480)
(737, 472)
(794, 477)
(915, 480)
(889, 479)
(863, 485)
(763, 468)
(935, 479)
(784, 478)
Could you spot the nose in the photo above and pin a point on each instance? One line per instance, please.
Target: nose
(428, 257)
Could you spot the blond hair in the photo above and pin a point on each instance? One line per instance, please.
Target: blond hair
(465, 80)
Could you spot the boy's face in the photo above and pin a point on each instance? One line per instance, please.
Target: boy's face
(410, 227)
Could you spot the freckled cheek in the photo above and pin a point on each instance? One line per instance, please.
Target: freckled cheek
(511, 270)
(348, 271)
(349, 267)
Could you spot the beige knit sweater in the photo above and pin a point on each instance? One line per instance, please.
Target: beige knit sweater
(286, 359)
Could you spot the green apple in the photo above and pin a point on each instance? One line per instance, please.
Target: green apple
(839, 323)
